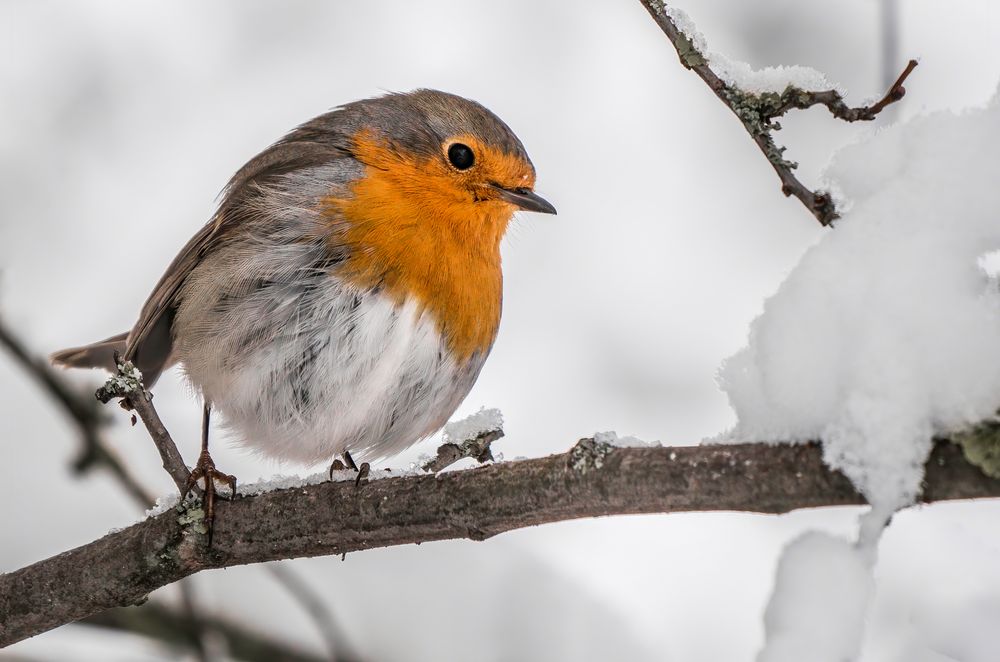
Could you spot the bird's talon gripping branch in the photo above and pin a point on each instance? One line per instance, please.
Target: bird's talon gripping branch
(351, 464)
(363, 472)
(336, 465)
(205, 469)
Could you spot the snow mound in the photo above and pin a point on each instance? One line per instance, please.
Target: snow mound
(887, 332)
(817, 611)
(628, 441)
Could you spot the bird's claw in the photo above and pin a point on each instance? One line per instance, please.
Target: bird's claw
(205, 469)
(363, 470)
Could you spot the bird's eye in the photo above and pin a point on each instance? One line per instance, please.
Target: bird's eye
(461, 156)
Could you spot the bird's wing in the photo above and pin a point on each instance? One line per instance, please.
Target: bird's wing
(150, 342)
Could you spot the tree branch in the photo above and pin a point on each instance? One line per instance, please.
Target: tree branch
(128, 386)
(174, 628)
(758, 112)
(592, 479)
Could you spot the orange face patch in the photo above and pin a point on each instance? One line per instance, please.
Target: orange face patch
(419, 228)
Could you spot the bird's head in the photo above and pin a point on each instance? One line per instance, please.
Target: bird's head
(433, 158)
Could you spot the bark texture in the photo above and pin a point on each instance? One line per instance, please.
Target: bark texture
(590, 480)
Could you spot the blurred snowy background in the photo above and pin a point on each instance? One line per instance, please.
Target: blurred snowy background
(120, 122)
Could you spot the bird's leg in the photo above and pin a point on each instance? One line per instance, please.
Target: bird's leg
(205, 468)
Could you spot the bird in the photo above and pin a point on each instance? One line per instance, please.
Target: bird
(344, 296)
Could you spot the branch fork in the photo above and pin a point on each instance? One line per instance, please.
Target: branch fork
(758, 112)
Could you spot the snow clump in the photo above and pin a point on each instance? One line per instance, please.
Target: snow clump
(471, 427)
(887, 332)
(744, 77)
(628, 441)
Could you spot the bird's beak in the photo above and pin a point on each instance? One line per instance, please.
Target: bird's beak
(525, 199)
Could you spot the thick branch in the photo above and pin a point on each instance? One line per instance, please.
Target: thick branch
(757, 112)
(591, 480)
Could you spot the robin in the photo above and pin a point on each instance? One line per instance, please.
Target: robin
(346, 293)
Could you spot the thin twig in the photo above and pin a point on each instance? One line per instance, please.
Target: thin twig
(127, 385)
(834, 102)
(757, 112)
(173, 462)
(591, 480)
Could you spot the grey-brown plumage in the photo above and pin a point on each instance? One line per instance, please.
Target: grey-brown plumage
(302, 360)
(418, 121)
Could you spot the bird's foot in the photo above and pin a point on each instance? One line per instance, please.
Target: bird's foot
(205, 469)
(349, 463)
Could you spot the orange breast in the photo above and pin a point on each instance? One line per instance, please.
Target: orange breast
(413, 232)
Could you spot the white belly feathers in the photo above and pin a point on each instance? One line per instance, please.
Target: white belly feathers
(304, 366)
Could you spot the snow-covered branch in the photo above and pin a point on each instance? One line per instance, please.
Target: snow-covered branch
(759, 98)
(593, 479)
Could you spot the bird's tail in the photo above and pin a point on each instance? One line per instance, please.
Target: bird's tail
(96, 355)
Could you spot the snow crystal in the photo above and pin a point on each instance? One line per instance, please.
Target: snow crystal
(278, 482)
(470, 427)
(743, 76)
(687, 27)
(769, 79)
(162, 505)
(460, 465)
(818, 607)
(421, 460)
(886, 332)
(612, 439)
